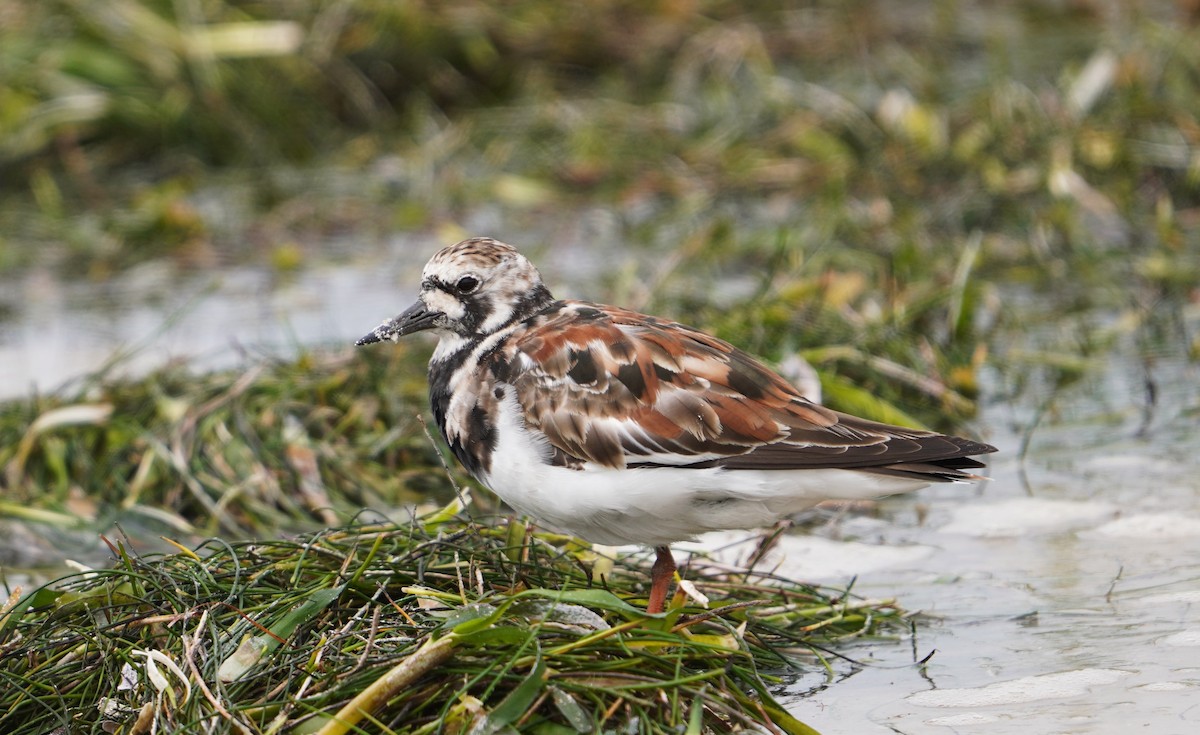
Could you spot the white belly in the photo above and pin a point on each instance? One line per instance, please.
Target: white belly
(661, 505)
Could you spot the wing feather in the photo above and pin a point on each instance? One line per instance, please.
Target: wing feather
(618, 388)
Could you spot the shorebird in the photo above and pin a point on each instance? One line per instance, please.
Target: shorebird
(622, 428)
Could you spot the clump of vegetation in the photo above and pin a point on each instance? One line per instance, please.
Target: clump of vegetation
(440, 625)
(234, 452)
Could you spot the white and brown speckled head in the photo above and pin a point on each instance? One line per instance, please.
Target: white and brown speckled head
(469, 290)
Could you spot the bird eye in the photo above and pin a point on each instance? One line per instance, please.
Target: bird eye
(466, 284)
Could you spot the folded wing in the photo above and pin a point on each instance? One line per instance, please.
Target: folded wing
(622, 389)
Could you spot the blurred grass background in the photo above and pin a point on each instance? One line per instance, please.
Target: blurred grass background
(1046, 125)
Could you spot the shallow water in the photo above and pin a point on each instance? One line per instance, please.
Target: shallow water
(61, 331)
(1065, 592)
(1061, 597)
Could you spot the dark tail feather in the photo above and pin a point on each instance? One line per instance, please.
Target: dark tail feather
(945, 470)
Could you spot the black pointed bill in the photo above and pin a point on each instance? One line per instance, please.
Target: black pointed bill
(415, 318)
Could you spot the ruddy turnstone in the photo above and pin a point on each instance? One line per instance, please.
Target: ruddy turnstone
(622, 428)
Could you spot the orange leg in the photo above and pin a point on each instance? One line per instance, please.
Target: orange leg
(660, 579)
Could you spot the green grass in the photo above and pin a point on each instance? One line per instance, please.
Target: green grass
(236, 453)
(439, 625)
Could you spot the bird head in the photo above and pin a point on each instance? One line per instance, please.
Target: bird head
(470, 289)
